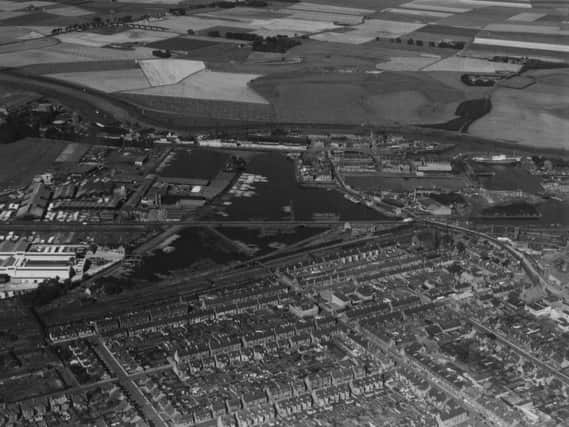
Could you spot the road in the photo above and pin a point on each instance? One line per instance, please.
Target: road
(466, 401)
(521, 351)
(131, 388)
(133, 226)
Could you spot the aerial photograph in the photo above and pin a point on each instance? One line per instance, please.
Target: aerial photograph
(246, 213)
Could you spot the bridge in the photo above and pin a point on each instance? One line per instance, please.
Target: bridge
(132, 226)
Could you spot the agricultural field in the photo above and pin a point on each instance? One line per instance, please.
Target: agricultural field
(387, 98)
(108, 80)
(182, 43)
(100, 40)
(408, 63)
(361, 61)
(67, 52)
(210, 85)
(160, 72)
(204, 112)
(13, 34)
(540, 112)
(471, 65)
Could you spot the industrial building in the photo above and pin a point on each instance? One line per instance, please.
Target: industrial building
(35, 263)
(35, 201)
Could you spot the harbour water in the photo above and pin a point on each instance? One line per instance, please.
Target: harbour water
(279, 197)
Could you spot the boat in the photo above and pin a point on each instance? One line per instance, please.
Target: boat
(351, 198)
(498, 159)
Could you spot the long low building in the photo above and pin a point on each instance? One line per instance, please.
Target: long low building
(36, 263)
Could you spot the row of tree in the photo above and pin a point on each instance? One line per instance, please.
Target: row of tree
(458, 45)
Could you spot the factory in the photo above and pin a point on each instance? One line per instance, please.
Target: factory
(33, 263)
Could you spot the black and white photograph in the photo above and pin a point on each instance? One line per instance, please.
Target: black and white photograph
(284, 213)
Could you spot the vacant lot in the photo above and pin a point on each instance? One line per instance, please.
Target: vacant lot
(20, 161)
(537, 115)
(355, 98)
(73, 152)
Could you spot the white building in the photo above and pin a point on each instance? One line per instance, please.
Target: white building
(36, 263)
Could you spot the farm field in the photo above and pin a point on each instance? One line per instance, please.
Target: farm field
(69, 11)
(160, 72)
(100, 40)
(20, 161)
(182, 43)
(210, 85)
(540, 113)
(67, 52)
(203, 112)
(78, 67)
(11, 6)
(471, 65)
(407, 63)
(406, 98)
(12, 34)
(106, 81)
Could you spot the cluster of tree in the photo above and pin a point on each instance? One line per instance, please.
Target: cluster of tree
(458, 45)
(475, 80)
(180, 11)
(162, 53)
(98, 22)
(468, 112)
(250, 37)
(279, 44)
(49, 290)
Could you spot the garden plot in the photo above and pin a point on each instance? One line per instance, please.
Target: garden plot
(69, 11)
(169, 71)
(129, 36)
(314, 7)
(210, 85)
(527, 17)
(471, 65)
(407, 63)
(12, 6)
(416, 12)
(106, 81)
